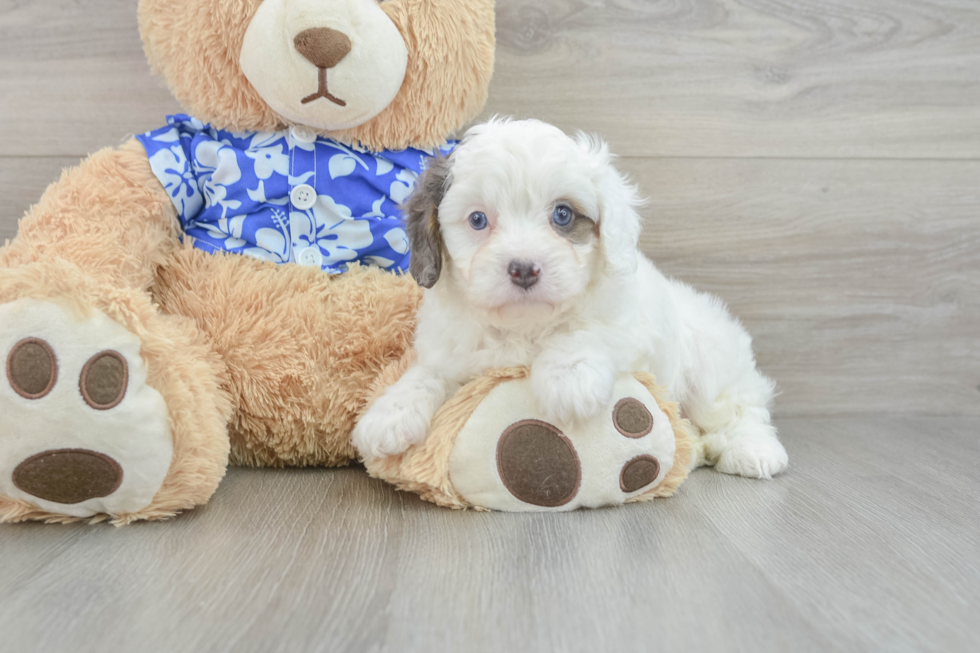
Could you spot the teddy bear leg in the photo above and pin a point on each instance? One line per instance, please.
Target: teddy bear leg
(108, 408)
(509, 457)
(109, 216)
(492, 447)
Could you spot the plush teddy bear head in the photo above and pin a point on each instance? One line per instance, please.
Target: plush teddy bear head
(388, 74)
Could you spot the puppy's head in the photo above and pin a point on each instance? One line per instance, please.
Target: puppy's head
(521, 214)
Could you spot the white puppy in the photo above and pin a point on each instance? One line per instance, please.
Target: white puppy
(527, 241)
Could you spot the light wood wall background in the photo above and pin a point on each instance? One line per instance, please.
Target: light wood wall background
(814, 162)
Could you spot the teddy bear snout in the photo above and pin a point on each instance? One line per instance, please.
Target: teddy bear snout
(322, 46)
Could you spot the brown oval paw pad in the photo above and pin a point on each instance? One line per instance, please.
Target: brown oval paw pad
(68, 476)
(104, 380)
(638, 473)
(538, 464)
(631, 418)
(32, 368)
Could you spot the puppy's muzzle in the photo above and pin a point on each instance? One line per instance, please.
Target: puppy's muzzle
(523, 273)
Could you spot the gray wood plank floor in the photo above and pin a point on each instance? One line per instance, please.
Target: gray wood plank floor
(815, 163)
(870, 542)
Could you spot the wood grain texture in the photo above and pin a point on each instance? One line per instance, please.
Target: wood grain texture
(787, 78)
(797, 78)
(73, 77)
(857, 547)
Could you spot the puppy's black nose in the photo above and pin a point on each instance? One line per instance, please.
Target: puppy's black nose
(523, 273)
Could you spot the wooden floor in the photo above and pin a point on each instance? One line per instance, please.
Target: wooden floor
(871, 542)
(814, 162)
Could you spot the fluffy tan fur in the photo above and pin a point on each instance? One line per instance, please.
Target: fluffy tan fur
(109, 216)
(301, 347)
(424, 469)
(450, 60)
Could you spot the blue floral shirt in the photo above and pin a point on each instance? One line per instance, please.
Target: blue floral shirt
(287, 196)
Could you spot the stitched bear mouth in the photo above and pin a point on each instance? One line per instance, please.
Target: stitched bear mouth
(322, 91)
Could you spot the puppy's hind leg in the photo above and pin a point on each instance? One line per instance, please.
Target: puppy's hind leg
(737, 436)
(723, 393)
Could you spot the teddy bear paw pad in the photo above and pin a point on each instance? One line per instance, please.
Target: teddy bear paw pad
(81, 432)
(622, 452)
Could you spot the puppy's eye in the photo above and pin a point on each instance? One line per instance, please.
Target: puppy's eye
(562, 215)
(478, 220)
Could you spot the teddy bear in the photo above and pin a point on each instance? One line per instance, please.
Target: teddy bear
(227, 288)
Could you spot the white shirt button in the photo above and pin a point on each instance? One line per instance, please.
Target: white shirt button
(303, 197)
(311, 257)
(303, 134)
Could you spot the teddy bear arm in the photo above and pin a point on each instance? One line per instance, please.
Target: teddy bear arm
(108, 216)
(491, 447)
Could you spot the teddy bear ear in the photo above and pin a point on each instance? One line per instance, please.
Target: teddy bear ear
(422, 221)
(194, 45)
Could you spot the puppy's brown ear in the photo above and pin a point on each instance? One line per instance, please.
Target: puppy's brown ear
(422, 222)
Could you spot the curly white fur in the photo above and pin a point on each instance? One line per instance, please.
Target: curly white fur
(599, 306)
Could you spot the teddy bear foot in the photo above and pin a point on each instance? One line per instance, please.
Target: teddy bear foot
(81, 432)
(507, 457)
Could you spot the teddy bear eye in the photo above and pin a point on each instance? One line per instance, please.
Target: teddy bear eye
(562, 215)
(478, 220)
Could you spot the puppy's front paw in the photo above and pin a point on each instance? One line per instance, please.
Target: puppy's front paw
(569, 390)
(389, 428)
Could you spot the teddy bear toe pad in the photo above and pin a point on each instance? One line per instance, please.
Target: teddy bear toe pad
(81, 432)
(537, 464)
(623, 451)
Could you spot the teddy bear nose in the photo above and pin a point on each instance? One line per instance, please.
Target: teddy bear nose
(322, 46)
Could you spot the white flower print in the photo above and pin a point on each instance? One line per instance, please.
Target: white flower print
(397, 240)
(271, 246)
(403, 187)
(258, 195)
(269, 160)
(220, 167)
(341, 165)
(262, 139)
(167, 136)
(340, 241)
(330, 226)
(384, 165)
(173, 170)
(228, 231)
(217, 195)
(327, 210)
(376, 211)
